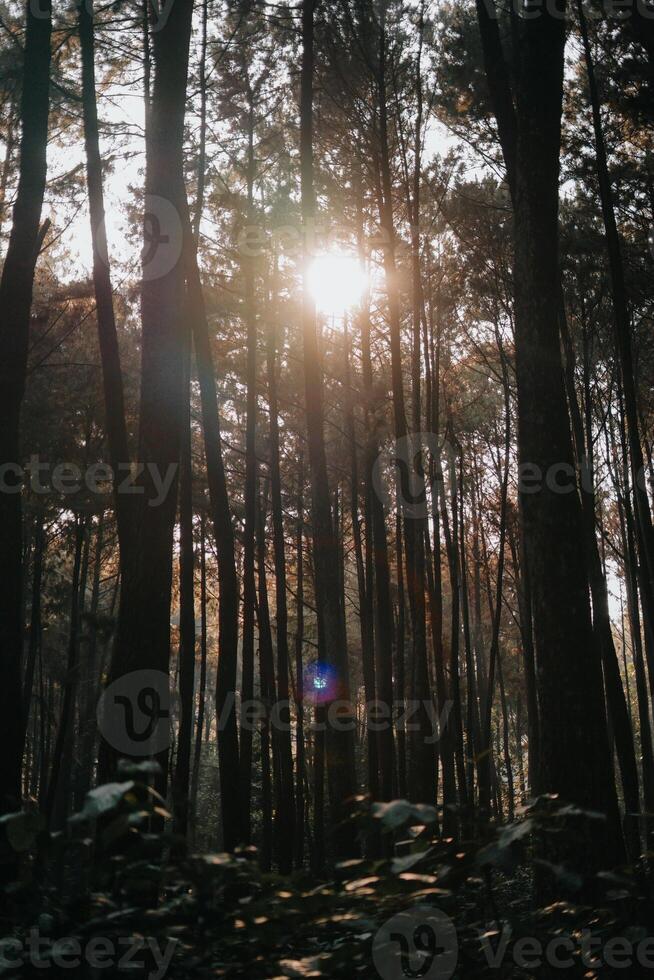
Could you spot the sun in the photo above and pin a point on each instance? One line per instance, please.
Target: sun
(337, 282)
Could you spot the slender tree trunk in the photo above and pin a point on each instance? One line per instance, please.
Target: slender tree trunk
(363, 585)
(299, 676)
(340, 743)
(633, 576)
(285, 812)
(35, 621)
(446, 744)
(186, 661)
(143, 634)
(108, 338)
(528, 657)
(267, 689)
(202, 152)
(15, 306)
(378, 609)
(249, 583)
(57, 797)
(147, 61)
(622, 322)
(422, 782)
(226, 722)
(617, 705)
(496, 610)
(473, 724)
(88, 703)
(202, 689)
(452, 547)
(505, 743)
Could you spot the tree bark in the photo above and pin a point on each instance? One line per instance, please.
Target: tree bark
(249, 582)
(108, 338)
(421, 782)
(285, 811)
(299, 675)
(340, 743)
(202, 689)
(143, 633)
(15, 306)
(35, 620)
(226, 722)
(186, 661)
(570, 683)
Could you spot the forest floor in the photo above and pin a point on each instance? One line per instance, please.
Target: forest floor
(107, 900)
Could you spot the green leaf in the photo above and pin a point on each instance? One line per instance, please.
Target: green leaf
(103, 800)
(399, 813)
(22, 828)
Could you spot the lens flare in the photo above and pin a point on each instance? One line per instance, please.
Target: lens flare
(320, 683)
(337, 282)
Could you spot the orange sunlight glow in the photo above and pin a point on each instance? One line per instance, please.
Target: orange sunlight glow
(337, 282)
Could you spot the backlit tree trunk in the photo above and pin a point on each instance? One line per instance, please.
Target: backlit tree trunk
(340, 739)
(15, 306)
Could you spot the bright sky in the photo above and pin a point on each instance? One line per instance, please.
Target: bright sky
(114, 106)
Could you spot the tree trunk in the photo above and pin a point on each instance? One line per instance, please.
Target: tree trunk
(421, 782)
(35, 621)
(15, 307)
(299, 676)
(202, 690)
(226, 723)
(622, 322)
(108, 338)
(186, 661)
(267, 693)
(249, 583)
(143, 634)
(285, 811)
(496, 611)
(363, 584)
(340, 743)
(56, 805)
(570, 682)
(617, 705)
(88, 702)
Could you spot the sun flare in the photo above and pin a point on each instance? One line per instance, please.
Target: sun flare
(337, 282)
